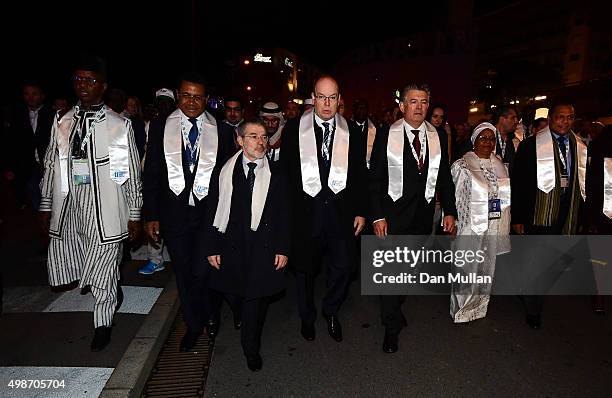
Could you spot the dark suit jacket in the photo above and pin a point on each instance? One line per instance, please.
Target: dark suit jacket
(23, 142)
(410, 214)
(328, 213)
(600, 148)
(173, 212)
(247, 257)
(524, 186)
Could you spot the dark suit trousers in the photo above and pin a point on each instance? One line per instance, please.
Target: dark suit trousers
(198, 302)
(338, 267)
(253, 317)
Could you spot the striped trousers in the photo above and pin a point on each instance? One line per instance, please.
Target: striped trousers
(78, 255)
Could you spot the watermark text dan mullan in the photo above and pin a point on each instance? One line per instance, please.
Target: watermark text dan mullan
(410, 258)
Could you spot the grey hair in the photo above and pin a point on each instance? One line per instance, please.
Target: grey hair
(415, 86)
(241, 129)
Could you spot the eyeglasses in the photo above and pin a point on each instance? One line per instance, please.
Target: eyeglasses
(253, 137)
(90, 81)
(483, 138)
(189, 97)
(331, 98)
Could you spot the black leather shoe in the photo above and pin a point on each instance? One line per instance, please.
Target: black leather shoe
(237, 322)
(333, 327)
(188, 341)
(254, 362)
(308, 331)
(102, 336)
(390, 342)
(212, 328)
(119, 298)
(533, 321)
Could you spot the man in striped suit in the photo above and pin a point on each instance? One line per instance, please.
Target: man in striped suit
(91, 195)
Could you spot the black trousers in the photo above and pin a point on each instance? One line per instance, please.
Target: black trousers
(338, 273)
(253, 317)
(391, 312)
(199, 303)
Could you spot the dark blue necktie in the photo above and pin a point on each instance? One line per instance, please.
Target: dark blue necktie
(563, 148)
(251, 175)
(193, 135)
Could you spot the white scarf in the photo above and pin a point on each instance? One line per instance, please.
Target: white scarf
(607, 203)
(311, 180)
(545, 161)
(207, 156)
(395, 160)
(479, 203)
(226, 188)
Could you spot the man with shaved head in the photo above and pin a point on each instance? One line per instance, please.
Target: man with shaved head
(325, 161)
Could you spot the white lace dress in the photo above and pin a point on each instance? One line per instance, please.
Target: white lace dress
(466, 304)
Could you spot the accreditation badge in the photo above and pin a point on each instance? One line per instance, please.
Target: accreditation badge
(80, 172)
(494, 209)
(564, 181)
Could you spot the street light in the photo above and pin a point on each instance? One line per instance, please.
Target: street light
(540, 98)
(249, 88)
(246, 62)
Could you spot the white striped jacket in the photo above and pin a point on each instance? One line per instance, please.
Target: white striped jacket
(114, 204)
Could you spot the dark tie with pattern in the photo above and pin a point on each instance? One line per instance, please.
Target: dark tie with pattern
(416, 143)
(325, 148)
(193, 135)
(563, 148)
(251, 175)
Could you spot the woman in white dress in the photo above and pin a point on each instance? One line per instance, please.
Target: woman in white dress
(483, 220)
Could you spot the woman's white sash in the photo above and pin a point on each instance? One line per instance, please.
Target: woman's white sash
(479, 203)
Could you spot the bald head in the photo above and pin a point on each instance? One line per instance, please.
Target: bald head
(325, 96)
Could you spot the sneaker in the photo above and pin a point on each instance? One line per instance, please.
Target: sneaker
(151, 268)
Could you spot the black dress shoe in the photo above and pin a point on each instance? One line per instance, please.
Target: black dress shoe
(237, 322)
(533, 321)
(333, 327)
(254, 362)
(212, 328)
(188, 341)
(390, 342)
(102, 336)
(308, 331)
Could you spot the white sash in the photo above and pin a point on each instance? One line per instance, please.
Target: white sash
(607, 184)
(370, 141)
(173, 151)
(311, 180)
(581, 151)
(395, 160)
(479, 203)
(226, 188)
(118, 147)
(545, 161)
(64, 130)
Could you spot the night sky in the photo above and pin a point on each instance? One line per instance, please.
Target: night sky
(148, 44)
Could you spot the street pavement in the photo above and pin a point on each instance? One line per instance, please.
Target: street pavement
(45, 333)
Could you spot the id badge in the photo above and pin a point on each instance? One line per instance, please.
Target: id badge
(564, 181)
(494, 209)
(80, 172)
